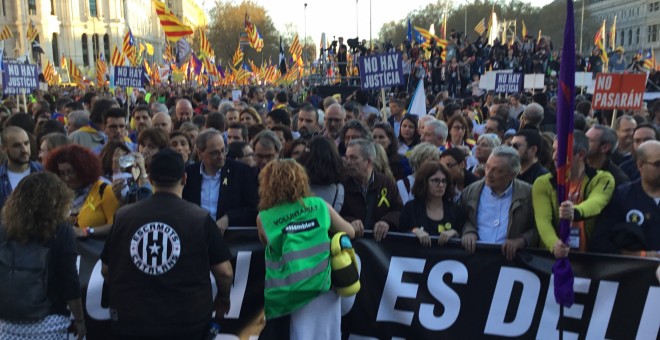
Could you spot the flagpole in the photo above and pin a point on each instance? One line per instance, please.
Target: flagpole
(582, 25)
(357, 27)
(304, 38)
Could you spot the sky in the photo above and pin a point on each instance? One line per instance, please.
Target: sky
(347, 18)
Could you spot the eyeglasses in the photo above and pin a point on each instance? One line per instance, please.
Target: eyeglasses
(264, 157)
(437, 181)
(116, 126)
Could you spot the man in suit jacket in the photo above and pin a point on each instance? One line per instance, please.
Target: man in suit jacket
(226, 188)
(498, 209)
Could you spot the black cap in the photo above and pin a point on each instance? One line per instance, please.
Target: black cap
(167, 166)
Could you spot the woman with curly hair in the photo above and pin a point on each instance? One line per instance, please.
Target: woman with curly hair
(291, 222)
(94, 203)
(36, 213)
(432, 211)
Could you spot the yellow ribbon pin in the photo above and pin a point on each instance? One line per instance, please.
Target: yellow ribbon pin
(224, 182)
(90, 204)
(383, 198)
(445, 227)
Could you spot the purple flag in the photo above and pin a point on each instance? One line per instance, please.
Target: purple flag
(563, 274)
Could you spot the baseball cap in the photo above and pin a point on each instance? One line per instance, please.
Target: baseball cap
(167, 166)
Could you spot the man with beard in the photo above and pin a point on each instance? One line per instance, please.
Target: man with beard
(308, 122)
(629, 224)
(335, 117)
(16, 145)
(625, 129)
(529, 144)
(602, 142)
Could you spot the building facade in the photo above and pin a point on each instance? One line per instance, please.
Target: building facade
(81, 29)
(637, 22)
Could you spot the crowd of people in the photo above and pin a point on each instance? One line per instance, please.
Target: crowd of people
(457, 67)
(160, 174)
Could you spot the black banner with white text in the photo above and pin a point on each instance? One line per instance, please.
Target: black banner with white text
(413, 292)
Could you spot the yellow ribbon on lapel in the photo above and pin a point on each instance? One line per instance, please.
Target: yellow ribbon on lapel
(383, 198)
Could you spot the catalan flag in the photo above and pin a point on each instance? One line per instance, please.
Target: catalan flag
(259, 45)
(295, 48)
(63, 62)
(117, 58)
(128, 47)
(150, 48)
(205, 49)
(599, 41)
(32, 32)
(173, 27)
(649, 59)
(5, 33)
(49, 73)
(238, 57)
(168, 56)
(75, 75)
(254, 37)
(101, 69)
(427, 39)
(481, 27)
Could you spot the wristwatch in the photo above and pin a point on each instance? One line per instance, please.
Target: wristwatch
(90, 231)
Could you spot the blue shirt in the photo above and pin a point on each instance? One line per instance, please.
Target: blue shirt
(210, 193)
(493, 215)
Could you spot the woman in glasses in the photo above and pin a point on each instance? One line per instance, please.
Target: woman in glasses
(432, 212)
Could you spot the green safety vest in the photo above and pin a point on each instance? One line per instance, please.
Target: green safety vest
(297, 255)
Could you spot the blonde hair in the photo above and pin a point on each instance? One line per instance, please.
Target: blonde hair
(381, 163)
(282, 181)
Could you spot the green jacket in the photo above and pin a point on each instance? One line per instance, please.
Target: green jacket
(297, 255)
(597, 189)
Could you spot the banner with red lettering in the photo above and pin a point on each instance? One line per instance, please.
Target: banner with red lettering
(413, 292)
(622, 91)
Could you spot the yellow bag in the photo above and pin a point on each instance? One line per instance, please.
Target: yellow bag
(345, 277)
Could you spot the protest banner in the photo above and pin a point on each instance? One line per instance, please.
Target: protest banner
(19, 78)
(509, 82)
(381, 70)
(129, 76)
(413, 292)
(619, 91)
(534, 81)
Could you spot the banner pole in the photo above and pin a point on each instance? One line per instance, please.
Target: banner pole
(382, 98)
(25, 105)
(613, 118)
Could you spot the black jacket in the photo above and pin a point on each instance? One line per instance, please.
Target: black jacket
(238, 192)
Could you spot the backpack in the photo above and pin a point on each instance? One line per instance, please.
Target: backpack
(23, 280)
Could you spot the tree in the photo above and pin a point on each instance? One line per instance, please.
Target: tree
(228, 22)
